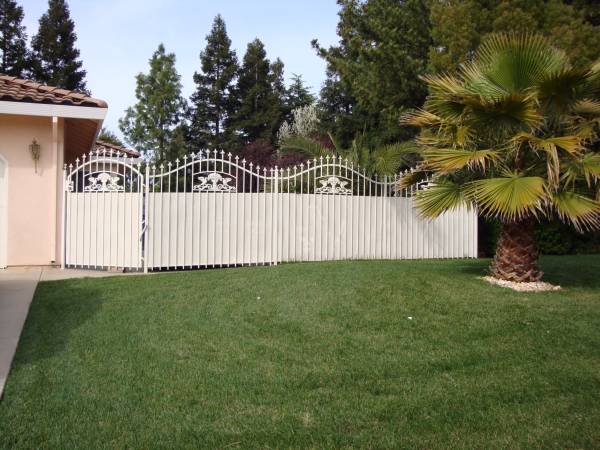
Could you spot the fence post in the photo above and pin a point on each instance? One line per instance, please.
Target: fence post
(275, 214)
(145, 217)
(63, 225)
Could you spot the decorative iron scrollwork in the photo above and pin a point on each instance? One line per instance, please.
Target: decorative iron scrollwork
(333, 185)
(214, 182)
(103, 182)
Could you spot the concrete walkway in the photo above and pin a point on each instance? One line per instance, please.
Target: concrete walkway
(17, 286)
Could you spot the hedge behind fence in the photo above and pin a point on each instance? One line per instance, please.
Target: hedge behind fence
(553, 238)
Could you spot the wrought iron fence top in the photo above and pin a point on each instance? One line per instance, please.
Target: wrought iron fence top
(106, 170)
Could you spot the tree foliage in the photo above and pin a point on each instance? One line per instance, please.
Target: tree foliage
(107, 135)
(298, 94)
(153, 124)
(374, 70)
(259, 89)
(14, 58)
(55, 59)
(214, 103)
(458, 27)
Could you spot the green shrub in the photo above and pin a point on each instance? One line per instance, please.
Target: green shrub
(553, 238)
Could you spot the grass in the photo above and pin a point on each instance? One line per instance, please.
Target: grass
(318, 355)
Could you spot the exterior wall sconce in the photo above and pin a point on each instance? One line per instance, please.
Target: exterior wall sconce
(34, 148)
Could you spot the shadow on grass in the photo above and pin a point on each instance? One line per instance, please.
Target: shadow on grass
(568, 271)
(574, 271)
(58, 308)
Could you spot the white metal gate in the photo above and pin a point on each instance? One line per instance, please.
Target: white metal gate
(103, 204)
(211, 209)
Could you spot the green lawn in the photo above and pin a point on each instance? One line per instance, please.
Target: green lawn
(317, 355)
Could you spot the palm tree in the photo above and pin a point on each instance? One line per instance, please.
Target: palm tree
(512, 135)
(383, 160)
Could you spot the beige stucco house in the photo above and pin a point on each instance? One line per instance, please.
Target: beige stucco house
(64, 125)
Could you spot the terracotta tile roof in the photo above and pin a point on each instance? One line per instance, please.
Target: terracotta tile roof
(18, 90)
(114, 149)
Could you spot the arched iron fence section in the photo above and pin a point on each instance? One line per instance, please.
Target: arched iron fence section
(213, 209)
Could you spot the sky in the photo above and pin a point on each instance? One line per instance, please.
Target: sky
(117, 37)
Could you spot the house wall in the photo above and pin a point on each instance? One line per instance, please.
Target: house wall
(34, 199)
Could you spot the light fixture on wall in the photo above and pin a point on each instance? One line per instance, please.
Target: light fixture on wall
(34, 148)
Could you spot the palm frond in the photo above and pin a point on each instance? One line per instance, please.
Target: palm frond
(550, 146)
(420, 118)
(439, 197)
(582, 212)
(304, 146)
(508, 198)
(507, 115)
(388, 159)
(411, 178)
(445, 84)
(586, 108)
(560, 91)
(446, 160)
(518, 62)
(586, 167)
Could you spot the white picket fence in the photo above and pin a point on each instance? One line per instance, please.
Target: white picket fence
(213, 210)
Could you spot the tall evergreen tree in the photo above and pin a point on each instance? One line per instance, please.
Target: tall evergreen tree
(279, 105)
(340, 113)
(298, 94)
(13, 40)
(152, 124)
(260, 113)
(214, 102)
(383, 49)
(55, 58)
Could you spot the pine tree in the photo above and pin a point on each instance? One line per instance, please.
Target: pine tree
(278, 102)
(260, 111)
(13, 40)
(55, 58)
(340, 113)
(298, 94)
(383, 49)
(152, 124)
(214, 102)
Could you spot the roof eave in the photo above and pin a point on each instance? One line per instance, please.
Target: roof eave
(52, 110)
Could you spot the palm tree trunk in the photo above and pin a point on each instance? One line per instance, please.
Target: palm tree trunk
(516, 257)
